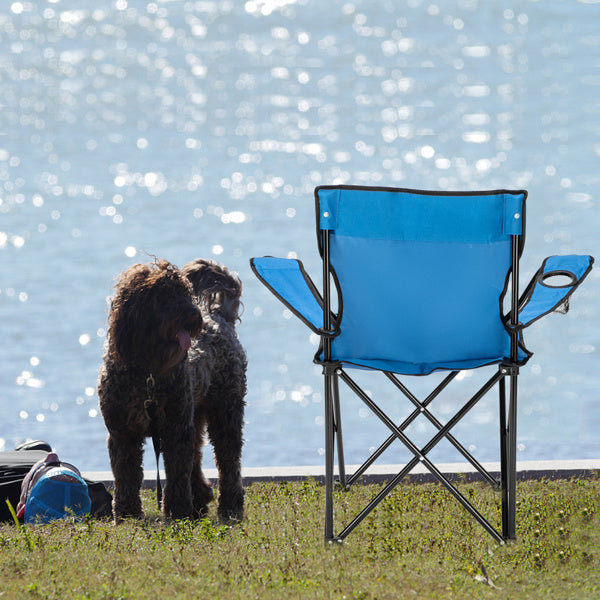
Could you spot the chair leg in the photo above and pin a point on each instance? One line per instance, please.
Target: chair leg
(329, 451)
(512, 460)
(508, 456)
(503, 456)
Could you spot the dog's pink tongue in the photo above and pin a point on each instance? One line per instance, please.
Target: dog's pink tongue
(185, 341)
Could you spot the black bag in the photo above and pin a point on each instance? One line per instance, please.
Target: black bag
(16, 464)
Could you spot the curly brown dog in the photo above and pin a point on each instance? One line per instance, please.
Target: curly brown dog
(172, 339)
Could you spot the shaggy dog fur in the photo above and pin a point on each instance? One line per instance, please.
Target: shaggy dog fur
(177, 326)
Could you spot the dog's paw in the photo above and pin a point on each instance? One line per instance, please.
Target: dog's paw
(231, 507)
(200, 511)
(127, 510)
(177, 509)
(203, 495)
(121, 517)
(230, 516)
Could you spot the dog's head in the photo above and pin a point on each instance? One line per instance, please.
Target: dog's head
(153, 317)
(218, 290)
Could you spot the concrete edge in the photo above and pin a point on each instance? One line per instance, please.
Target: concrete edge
(545, 469)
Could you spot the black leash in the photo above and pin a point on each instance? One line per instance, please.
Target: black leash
(150, 405)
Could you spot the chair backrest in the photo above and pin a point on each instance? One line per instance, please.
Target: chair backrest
(422, 275)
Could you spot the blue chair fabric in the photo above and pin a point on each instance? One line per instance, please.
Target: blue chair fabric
(425, 281)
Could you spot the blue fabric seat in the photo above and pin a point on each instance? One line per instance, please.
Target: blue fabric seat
(425, 281)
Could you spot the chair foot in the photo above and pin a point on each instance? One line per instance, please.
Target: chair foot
(344, 486)
(336, 540)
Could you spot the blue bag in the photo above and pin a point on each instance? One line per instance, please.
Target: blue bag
(53, 490)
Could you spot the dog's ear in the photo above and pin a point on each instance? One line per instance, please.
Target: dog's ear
(123, 331)
(125, 326)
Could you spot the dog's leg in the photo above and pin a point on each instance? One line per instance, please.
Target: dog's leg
(178, 453)
(225, 427)
(125, 453)
(202, 493)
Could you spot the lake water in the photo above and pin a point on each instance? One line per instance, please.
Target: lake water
(188, 129)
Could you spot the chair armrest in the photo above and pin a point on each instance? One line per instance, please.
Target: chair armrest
(543, 296)
(289, 282)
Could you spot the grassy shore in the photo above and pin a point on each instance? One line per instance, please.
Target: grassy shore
(418, 544)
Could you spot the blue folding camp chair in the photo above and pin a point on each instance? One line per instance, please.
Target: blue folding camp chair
(420, 279)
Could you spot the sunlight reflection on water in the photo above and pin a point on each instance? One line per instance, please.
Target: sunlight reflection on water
(200, 128)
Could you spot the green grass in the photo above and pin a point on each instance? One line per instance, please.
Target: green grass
(418, 544)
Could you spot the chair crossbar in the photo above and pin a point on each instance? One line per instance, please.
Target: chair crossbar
(421, 409)
(389, 441)
(442, 479)
(442, 430)
(337, 427)
(420, 455)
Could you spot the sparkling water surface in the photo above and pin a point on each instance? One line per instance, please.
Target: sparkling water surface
(184, 129)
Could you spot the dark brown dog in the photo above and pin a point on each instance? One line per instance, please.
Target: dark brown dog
(172, 339)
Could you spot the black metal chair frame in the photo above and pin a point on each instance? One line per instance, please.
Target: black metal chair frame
(334, 372)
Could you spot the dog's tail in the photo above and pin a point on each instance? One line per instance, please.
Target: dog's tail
(217, 290)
